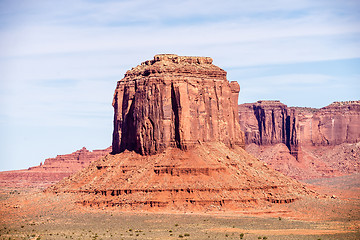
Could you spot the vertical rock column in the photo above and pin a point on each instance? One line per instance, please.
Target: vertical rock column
(175, 101)
(268, 123)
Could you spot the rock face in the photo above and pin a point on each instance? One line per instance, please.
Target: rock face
(312, 136)
(177, 146)
(331, 125)
(269, 123)
(175, 101)
(52, 170)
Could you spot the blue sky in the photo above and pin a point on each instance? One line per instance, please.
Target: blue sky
(60, 60)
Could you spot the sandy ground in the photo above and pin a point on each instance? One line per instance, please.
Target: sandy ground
(32, 214)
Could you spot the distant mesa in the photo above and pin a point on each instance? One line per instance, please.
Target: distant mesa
(271, 122)
(52, 170)
(331, 125)
(313, 137)
(71, 162)
(177, 145)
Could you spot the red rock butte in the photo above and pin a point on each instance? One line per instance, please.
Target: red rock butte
(323, 142)
(177, 146)
(175, 101)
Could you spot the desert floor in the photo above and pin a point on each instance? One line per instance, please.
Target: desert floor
(33, 214)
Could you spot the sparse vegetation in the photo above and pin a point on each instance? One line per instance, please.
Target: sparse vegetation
(98, 225)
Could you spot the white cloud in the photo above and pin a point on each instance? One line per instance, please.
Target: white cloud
(110, 27)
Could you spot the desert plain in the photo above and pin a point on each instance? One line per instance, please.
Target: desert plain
(32, 214)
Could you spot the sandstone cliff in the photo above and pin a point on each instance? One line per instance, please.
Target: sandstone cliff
(311, 136)
(175, 101)
(269, 123)
(331, 125)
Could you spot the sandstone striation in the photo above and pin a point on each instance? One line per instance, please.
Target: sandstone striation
(310, 165)
(269, 123)
(177, 146)
(175, 101)
(207, 177)
(72, 162)
(331, 125)
(312, 137)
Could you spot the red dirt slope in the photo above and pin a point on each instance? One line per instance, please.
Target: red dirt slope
(208, 177)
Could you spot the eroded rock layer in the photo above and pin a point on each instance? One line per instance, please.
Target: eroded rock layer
(209, 176)
(175, 101)
(269, 123)
(331, 125)
(323, 141)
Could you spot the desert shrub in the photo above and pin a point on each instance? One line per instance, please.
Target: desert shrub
(181, 236)
(241, 235)
(186, 235)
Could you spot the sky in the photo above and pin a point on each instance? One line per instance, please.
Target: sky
(60, 60)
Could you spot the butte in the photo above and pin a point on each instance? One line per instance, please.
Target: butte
(177, 146)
